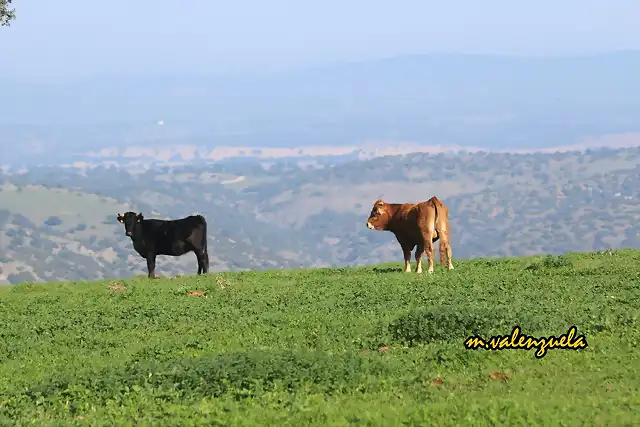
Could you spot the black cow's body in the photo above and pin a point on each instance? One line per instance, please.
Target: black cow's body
(176, 237)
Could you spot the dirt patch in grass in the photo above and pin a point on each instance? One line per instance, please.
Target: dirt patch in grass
(117, 286)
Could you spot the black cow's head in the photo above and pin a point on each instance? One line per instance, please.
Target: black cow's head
(130, 221)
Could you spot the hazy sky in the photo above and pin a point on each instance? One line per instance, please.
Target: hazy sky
(81, 38)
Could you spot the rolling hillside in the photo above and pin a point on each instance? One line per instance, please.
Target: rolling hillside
(60, 224)
(337, 346)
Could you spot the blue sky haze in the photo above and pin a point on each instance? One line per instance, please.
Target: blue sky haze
(75, 38)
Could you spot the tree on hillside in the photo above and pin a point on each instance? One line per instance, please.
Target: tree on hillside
(53, 221)
(7, 14)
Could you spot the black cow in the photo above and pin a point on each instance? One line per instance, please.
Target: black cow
(176, 237)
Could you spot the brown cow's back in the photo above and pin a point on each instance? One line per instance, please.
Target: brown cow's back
(416, 217)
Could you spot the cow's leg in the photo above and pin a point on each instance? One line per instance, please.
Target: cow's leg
(205, 259)
(447, 247)
(201, 255)
(427, 238)
(419, 254)
(430, 256)
(199, 263)
(406, 251)
(445, 253)
(151, 264)
(436, 238)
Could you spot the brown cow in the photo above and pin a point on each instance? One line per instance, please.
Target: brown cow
(415, 224)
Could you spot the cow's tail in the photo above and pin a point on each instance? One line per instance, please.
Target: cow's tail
(204, 242)
(435, 202)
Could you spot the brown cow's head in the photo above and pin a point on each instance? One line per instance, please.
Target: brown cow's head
(379, 216)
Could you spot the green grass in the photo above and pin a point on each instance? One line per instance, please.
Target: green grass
(302, 347)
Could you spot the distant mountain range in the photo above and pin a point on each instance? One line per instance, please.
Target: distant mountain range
(494, 102)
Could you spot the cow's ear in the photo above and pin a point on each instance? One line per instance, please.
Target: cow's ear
(120, 218)
(379, 203)
(140, 217)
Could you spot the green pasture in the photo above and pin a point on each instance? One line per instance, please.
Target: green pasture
(342, 346)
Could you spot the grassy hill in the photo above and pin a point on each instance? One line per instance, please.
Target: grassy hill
(336, 346)
(60, 224)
